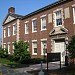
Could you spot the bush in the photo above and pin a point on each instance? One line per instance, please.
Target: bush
(3, 52)
(10, 57)
(36, 60)
(26, 59)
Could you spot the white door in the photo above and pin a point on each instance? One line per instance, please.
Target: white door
(60, 47)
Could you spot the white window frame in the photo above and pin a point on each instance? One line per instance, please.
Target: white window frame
(42, 23)
(4, 45)
(4, 33)
(8, 47)
(9, 32)
(13, 47)
(33, 41)
(54, 17)
(14, 29)
(26, 31)
(74, 15)
(35, 19)
(58, 18)
(42, 46)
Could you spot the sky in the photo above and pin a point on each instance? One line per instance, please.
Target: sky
(22, 7)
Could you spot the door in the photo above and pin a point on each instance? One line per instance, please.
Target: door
(60, 47)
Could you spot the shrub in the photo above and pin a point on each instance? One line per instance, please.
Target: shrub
(3, 52)
(10, 57)
(36, 60)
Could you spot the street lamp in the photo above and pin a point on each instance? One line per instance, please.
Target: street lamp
(66, 56)
(44, 50)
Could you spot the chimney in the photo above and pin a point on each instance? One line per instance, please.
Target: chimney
(11, 10)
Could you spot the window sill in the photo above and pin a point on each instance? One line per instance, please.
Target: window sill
(34, 54)
(34, 31)
(43, 29)
(26, 33)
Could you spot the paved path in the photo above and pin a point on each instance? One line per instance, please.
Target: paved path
(8, 71)
(23, 71)
(38, 67)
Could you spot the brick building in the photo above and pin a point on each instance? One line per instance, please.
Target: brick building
(47, 27)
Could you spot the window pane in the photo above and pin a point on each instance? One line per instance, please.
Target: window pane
(35, 50)
(58, 18)
(34, 25)
(26, 28)
(9, 31)
(59, 21)
(43, 22)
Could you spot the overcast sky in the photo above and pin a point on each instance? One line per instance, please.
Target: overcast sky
(22, 7)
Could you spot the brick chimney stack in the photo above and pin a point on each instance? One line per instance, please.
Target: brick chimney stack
(11, 10)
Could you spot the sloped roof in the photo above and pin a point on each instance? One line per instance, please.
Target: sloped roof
(16, 16)
(59, 2)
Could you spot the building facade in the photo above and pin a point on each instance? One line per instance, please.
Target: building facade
(47, 28)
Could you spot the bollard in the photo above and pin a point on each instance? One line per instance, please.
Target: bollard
(41, 72)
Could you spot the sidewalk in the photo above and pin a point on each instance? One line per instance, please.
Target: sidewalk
(38, 67)
(24, 71)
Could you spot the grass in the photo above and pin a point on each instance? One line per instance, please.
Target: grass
(11, 64)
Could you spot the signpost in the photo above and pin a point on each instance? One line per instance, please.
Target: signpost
(53, 57)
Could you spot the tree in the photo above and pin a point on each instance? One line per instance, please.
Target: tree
(71, 48)
(20, 51)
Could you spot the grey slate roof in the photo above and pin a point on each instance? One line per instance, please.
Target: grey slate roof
(15, 15)
(59, 2)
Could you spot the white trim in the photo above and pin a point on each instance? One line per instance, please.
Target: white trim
(2, 37)
(4, 33)
(43, 39)
(9, 42)
(73, 15)
(4, 43)
(8, 47)
(54, 17)
(32, 47)
(18, 31)
(26, 21)
(73, 5)
(41, 23)
(14, 23)
(9, 31)
(14, 29)
(43, 16)
(42, 46)
(34, 19)
(26, 28)
(4, 27)
(9, 26)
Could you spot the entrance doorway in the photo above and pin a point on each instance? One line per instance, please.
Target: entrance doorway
(60, 47)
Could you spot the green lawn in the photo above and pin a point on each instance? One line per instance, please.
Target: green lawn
(7, 62)
(11, 64)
